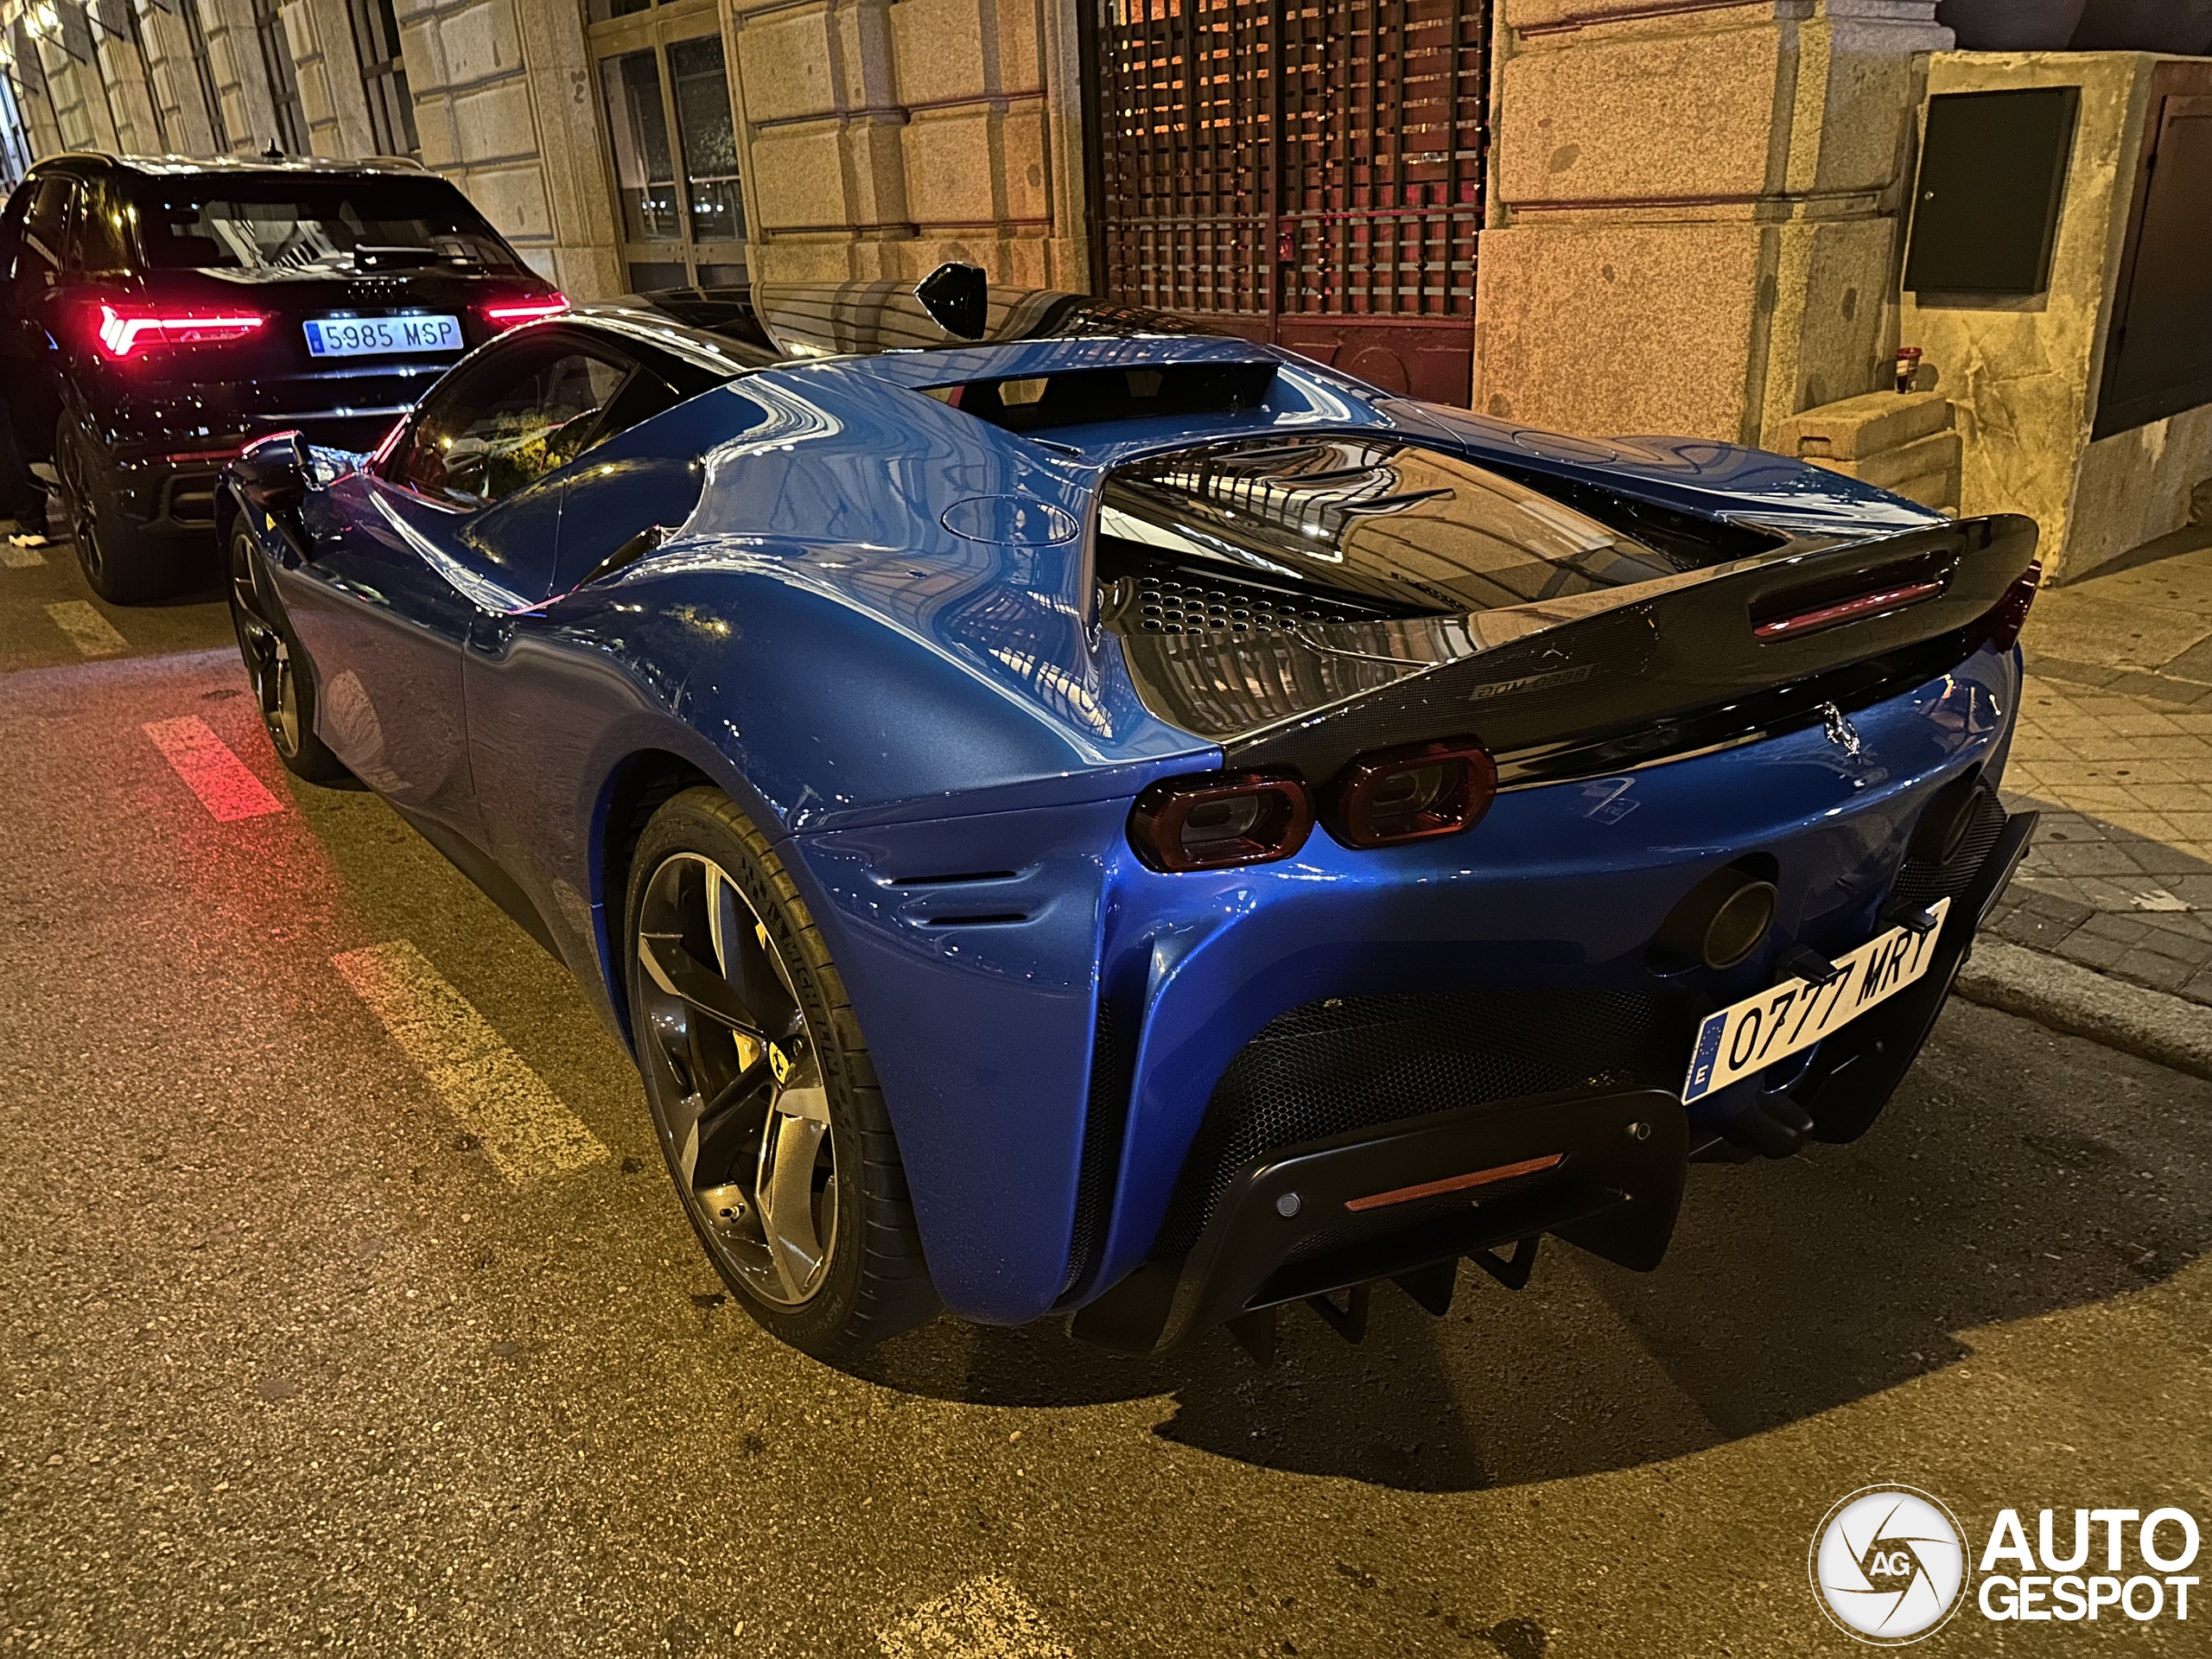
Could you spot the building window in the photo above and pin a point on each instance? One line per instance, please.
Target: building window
(283, 79)
(195, 35)
(14, 140)
(383, 78)
(664, 84)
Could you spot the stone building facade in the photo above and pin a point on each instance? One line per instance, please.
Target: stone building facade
(871, 137)
(1709, 191)
(1692, 211)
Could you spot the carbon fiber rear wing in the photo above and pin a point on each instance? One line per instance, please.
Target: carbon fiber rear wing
(1604, 681)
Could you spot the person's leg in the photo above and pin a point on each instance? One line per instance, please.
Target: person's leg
(22, 497)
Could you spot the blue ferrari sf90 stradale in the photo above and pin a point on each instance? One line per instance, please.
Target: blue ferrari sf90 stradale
(1076, 816)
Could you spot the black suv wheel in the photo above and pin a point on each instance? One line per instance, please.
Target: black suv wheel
(124, 565)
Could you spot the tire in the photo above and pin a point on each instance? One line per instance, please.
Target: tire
(122, 562)
(831, 1263)
(281, 677)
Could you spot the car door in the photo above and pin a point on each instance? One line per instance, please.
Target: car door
(538, 709)
(459, 524)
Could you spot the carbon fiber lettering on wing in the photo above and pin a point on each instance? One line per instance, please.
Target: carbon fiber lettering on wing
(1557, 678)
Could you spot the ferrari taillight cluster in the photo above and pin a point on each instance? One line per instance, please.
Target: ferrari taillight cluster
(1392, 796)
(2011, 614)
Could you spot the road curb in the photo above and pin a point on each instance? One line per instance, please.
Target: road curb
(2069, 997)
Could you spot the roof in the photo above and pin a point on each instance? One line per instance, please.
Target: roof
(186, 166)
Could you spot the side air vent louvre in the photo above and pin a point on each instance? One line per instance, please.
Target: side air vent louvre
(951, 881)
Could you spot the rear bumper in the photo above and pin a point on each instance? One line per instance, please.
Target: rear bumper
(173, 491)
(1602, 1169)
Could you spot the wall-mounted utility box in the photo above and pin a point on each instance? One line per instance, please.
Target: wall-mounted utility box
(1993, 178)
(2058, 277)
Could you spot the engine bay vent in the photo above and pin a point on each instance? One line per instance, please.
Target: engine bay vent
(1139, 593)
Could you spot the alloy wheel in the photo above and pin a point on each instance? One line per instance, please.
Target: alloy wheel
(84, 527)
(735, 1081)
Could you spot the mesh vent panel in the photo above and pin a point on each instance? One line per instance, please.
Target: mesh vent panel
(1161, 604)
(1331, 1068)
(1922, 882)
(1102, 1119)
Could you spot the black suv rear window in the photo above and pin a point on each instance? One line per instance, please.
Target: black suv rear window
(278, 224)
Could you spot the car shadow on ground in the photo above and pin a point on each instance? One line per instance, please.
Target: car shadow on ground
(2018, 1173)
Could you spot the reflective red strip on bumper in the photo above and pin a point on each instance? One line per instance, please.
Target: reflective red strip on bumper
(1455, 1183)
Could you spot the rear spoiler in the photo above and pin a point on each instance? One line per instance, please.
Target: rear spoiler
(1608, 680)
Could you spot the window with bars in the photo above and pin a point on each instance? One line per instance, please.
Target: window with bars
(1304, 171)
(283, 79)
(195, 35)
(383, 77)
(672, 132)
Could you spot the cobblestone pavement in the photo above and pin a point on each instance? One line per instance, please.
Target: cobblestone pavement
(2115, 749)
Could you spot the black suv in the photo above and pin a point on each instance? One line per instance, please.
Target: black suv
(159, 313)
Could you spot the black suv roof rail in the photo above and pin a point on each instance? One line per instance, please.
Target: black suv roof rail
(173, 165)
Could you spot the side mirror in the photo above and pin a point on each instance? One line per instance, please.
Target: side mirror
(271, 472)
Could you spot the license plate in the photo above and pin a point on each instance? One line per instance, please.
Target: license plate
(1794, 1015)
(370, 336)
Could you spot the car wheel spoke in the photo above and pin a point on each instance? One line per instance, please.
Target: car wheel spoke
(735, 1081)
(785, 1195)
(680, 974)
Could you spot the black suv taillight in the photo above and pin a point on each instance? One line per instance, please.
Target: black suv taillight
(1220, 820)
(2010, 614)
(1437, 788)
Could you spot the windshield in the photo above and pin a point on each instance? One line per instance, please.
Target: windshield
(1372, 517)
(280, 225)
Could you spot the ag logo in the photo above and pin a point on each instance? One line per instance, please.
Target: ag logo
(1887, 1565)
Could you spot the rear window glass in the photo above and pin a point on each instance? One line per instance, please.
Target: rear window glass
(1384, 520)
(314, 225)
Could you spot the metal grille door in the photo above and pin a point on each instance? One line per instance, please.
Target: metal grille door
(1308, 172)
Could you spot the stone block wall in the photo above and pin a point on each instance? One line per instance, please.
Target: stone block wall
(1694, 210)
(503, 107)
(1899, 442)
(886, 137)
(320, 33)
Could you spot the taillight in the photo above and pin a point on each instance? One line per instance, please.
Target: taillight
(129, 331)
(511, 312)
(2010, 614)
(1213, 823)
(1437, 788)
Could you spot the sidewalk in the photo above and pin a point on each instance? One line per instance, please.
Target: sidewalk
(2115, 749)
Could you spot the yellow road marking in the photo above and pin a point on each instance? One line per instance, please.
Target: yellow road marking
(19, 558)
(225, 784)
(90, 632)
(982, 1617)
(526, 1130)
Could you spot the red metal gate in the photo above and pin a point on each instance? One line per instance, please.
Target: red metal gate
(1308, 172)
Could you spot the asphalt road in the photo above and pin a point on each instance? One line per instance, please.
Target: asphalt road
(292, 1362)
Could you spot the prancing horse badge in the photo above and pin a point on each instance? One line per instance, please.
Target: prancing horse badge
(1840, 731)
